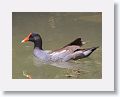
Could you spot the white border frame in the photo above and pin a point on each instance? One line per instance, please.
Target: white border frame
(104, 84)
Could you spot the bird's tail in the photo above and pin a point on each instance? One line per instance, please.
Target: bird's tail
(83, 53)
(88, 51)
(93, 48)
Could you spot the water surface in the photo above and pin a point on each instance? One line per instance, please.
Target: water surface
(56, 30)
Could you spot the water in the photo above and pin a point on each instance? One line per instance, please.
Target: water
(56, 30)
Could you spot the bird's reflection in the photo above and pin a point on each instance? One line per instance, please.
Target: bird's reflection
(70, 65)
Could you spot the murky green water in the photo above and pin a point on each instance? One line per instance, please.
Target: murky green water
(56, 30)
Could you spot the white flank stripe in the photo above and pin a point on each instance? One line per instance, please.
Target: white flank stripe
(57, 53)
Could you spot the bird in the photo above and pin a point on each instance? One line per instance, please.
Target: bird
(71, 51)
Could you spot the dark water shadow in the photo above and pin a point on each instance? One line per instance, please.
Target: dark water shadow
(63, 65)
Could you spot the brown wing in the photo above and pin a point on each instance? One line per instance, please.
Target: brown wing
(71, 49)
(73, 46)
(77, 42)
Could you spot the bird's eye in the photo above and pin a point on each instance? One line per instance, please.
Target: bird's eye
(31, 36)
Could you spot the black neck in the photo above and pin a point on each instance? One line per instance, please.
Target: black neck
(38, 44)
